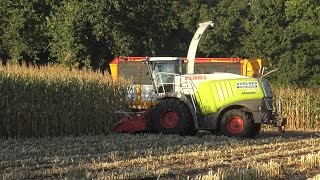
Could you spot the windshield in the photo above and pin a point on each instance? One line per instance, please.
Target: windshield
(170, 67)
(164, 72)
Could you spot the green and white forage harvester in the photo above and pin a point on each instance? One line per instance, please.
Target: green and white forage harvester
(232, 104)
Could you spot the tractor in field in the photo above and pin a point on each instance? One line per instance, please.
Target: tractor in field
(233, 104)
(141, 94)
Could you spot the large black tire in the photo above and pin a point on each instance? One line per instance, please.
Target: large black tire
(237, 123)
(172, 116)
(256, 129)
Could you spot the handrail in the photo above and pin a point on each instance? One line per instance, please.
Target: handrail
(189, 86)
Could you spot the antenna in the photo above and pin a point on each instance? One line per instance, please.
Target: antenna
(269, 72)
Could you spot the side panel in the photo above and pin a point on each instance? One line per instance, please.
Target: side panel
(141, 93)
(141, 96)
(135, 71)
(114, 71)
(211, 67)
(212, 95)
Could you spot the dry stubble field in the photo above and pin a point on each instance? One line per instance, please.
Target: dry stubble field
(271, 155)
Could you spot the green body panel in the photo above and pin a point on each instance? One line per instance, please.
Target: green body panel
(211, 95)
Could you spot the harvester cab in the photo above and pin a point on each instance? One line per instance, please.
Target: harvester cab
(233, 104)
(164, 72)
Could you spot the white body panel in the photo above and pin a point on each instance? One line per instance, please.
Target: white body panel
(189, 83)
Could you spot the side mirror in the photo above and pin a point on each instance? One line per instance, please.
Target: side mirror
(263, 70)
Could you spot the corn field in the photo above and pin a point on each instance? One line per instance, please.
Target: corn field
(301, 106)
(56, 101)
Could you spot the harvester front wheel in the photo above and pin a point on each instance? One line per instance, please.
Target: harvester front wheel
(172, 116)
(256, 129)
(237, 123)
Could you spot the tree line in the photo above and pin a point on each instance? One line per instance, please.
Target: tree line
(89, 33)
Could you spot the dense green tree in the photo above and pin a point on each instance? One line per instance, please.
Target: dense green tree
(228, 17)
(69, 29)
(300, 60)
(22, 29)
(2, 26)
(88, 33)
(264, 31)
(190, 13)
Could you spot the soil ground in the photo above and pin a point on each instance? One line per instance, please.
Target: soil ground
(151, 156)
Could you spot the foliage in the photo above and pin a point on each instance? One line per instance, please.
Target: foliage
(87, 33)
(301, 55)
(22, 29)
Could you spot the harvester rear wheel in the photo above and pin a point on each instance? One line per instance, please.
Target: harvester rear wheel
(237, 123)
(172, 116)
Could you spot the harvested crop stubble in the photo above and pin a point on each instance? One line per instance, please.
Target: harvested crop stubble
(122, 156)
(57, 101)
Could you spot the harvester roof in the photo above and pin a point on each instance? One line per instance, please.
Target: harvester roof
(165, 59)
